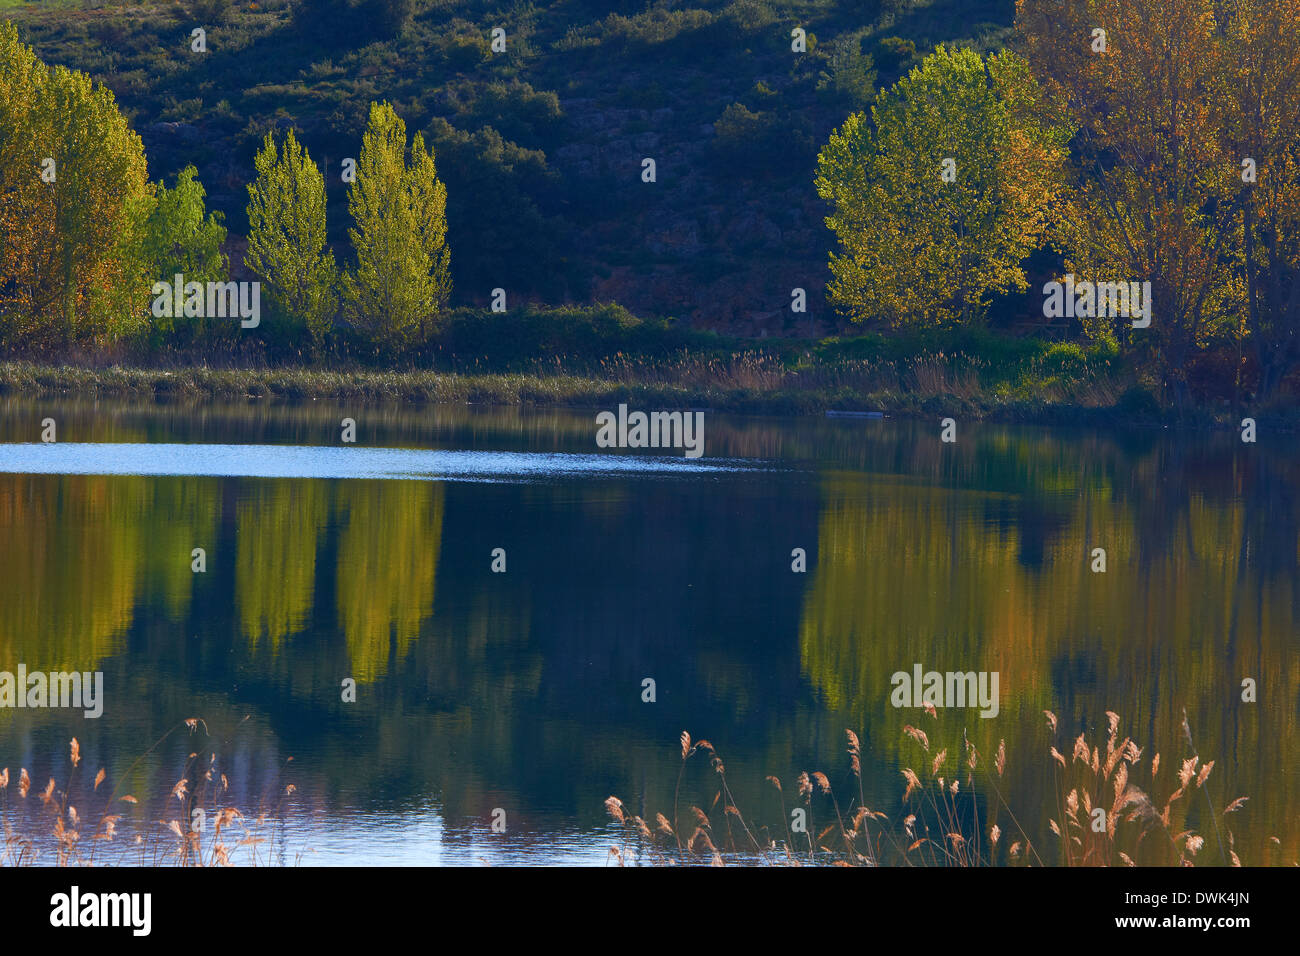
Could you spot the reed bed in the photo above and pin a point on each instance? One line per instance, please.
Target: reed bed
(90, 822)
(954, 811)
(752, 382)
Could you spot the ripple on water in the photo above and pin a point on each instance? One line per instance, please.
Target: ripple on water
(297, 461)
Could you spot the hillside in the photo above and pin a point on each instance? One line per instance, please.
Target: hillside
(541, 147)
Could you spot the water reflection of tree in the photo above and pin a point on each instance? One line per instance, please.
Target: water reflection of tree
(387, 563)
(1200, 592)
(971, 556)
(275, 568)
(71, 554)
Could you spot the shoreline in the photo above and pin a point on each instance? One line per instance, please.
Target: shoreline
(19, 378)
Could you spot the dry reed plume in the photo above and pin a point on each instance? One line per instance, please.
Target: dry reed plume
(953, 813)
(199, 826)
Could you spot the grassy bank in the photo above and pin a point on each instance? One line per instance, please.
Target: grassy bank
(746, 384)
(599, 356)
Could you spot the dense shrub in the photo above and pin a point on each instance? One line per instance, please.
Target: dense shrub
(895, 55)
(521, 337)
(502, 238)
(850, 76)
(517, 111)
(209, 13)
(763, 142)
(344, 23)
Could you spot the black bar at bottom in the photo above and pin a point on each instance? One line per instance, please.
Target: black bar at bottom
(338, 906)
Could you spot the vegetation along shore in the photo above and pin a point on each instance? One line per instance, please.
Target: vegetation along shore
(600, 356)
(888, 210)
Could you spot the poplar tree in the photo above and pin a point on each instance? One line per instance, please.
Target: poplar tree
(402, 276)
(286, 236)
(178, 236)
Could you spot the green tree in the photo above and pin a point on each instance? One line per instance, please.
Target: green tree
(402, 277)
(286, 236)
(178, 238)
(21, 76)
(941, 194)
(73, 176)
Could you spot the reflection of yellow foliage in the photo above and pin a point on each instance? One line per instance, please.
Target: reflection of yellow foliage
(70, 553)
(911, 574)
(893, 580)
(387, 559)
(181, 514)
(275, 569)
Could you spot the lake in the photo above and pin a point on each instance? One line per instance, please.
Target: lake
(349, 637)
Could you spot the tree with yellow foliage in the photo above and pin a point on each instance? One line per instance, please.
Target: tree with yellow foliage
(286, 236)
(72, 184)
(402, 278)
(942, 191)
(1260, 96)
(1158, 189)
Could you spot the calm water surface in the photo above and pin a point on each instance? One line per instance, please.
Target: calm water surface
(522, 691)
